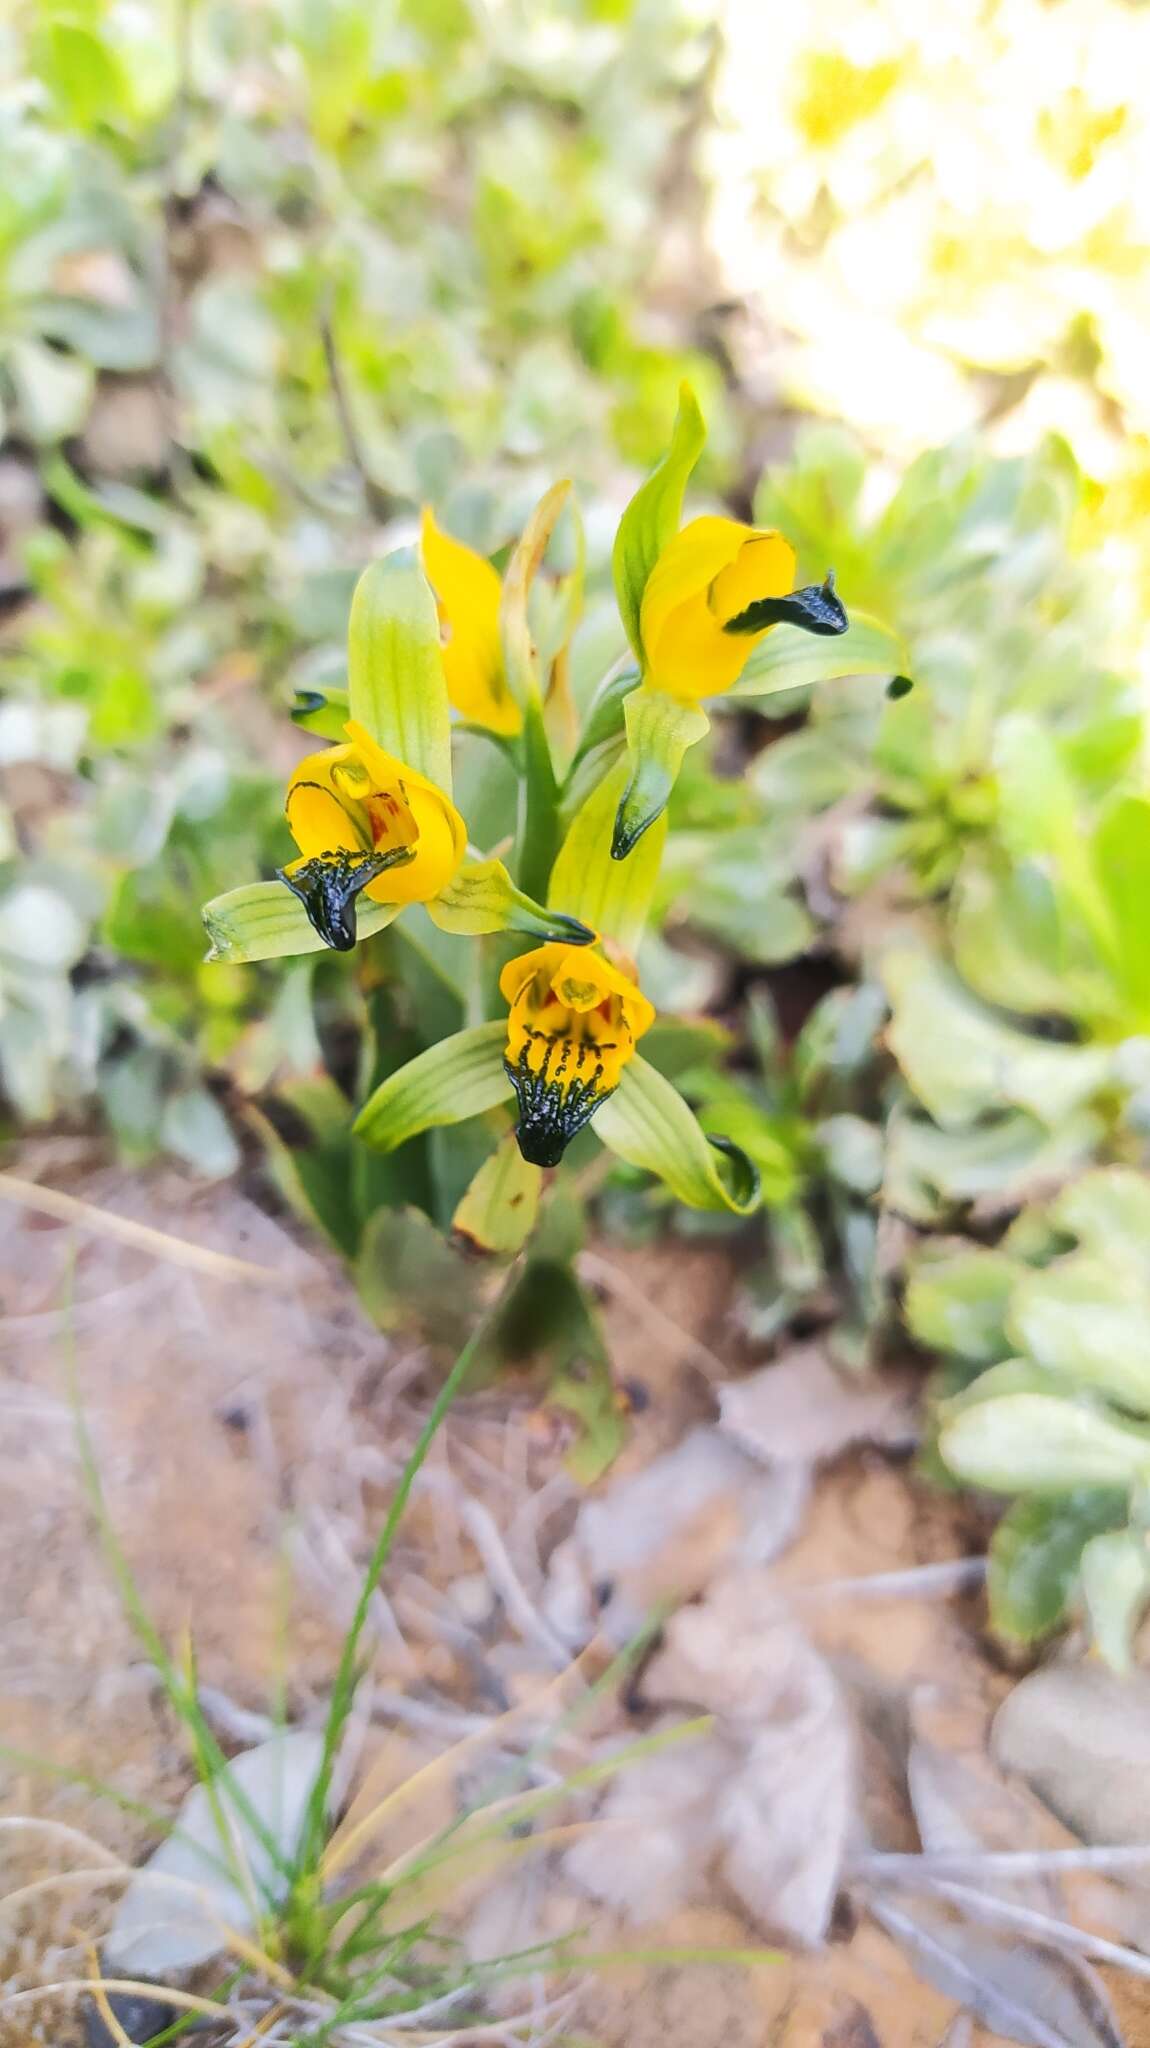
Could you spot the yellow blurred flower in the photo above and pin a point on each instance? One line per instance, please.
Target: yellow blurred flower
(467, 592)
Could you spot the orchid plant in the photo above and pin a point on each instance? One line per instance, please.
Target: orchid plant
(440, 642)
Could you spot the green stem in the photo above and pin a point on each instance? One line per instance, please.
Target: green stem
(347, 1676)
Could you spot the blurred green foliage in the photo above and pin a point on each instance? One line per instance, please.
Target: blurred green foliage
(270, 278)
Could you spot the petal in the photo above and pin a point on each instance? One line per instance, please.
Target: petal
(687, 567)
(442, 842)
(469, 593)
(763, 567)
(518, 972)
(319, 822)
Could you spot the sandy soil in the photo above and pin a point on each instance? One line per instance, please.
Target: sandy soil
(247, 1435)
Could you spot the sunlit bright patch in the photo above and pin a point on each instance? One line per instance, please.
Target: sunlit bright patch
(573, 1026)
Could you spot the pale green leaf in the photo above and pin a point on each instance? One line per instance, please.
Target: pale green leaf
(499, 1208)
(1089, 1319)
(1037, 1443)
(1116, 1588)
(958, 1303)
(1122, 861)
(395, 679)
(963, 1060)
(653, 515)
(647, 1123)
(462, 1076)
(483, 898)
(264, 921)
(789, 659)
(659, 731)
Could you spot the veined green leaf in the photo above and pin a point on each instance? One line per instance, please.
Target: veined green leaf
(789, 659)
(483, 898)
(519, 657)
(654, 512)
(462, 1076)
(647, 1123)
(324, 712)
(612, 896)
(264, 921)
(659, 731)
(1037, 1443)
(395, 680)
(499, 1208)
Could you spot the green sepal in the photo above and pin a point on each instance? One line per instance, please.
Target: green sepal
(789, 659)
(612, 896)
(265, 921)
(462, 1076)
(323, 712)
(498, 1211)
(653, 515)
(483, 898)
(395, 681)
(647, 1123)
(659, 731)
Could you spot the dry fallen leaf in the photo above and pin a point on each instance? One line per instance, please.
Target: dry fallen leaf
(661, 1535)
(1080, 1735)
(801, 1409)
(1024, 1990)
(784, 1811)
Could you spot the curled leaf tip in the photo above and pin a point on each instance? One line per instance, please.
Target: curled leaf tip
(899, 686)
(570, 930)
(817, 608)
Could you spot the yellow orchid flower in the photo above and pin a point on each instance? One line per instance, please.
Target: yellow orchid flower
(713, 593)
(366, 822)
(573, 1025)
(468, 594)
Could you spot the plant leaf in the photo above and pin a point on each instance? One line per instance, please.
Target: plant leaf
(498, 1211)
(654, 512)
(612, 896)
(483, 898)
(789, 659)
(264, 921)
(647, 1123)
(1116, 1588)
(1040, 1443)
(462, 1076)
(395, 682)
(659, 731)
(1035, 1555)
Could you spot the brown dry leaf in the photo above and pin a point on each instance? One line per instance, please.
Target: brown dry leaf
(662, 1534)
(801, 1409)
(1024, 1990)
(785, 1808)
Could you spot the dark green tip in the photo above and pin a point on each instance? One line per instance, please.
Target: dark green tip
(817, 608)
(629, 830)
(570, 931)
(899, 686)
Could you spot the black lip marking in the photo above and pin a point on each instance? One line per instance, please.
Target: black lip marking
(817, 608)
(329, 884)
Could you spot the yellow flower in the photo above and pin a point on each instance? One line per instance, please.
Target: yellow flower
(714, 591)
(573, 1025)
(467, 592)
(365, 822)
